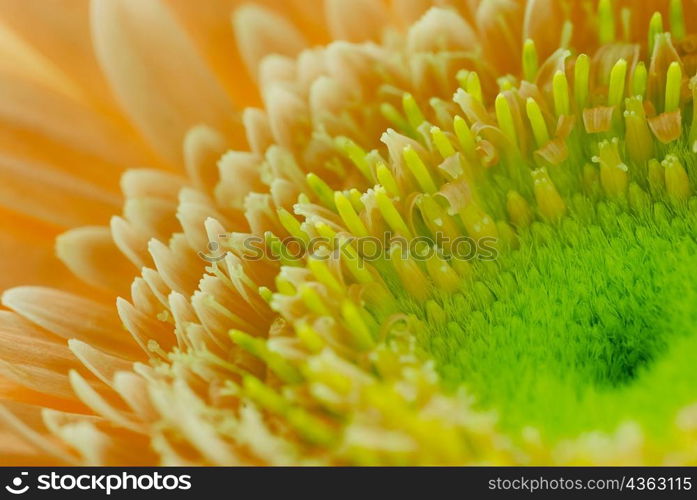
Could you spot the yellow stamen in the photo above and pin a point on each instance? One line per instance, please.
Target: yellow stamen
(259, 348)
(560, 91)
(464, 136)
(411, 109)
(442, 274)
(390, 213)
(537, 122)
(655, 28)
(550, 203)
(356, 154)
(313, 301)
(361, 337)
(442, 143)
(436, 217)
(639, 79)
(284, 286)
(349, 216)
(409, 272)
(656, 176)
(473, 86)
(392, 114)
(387, 180)
(677, 181)
(692, 140)
(613, 172)
(292, 225)
(319, 268)
(419, 170)
(677, 19)
(321, 190)
(606, 22)
(673, 83)
(308, 336)
(478, 223)
(581, 79)
(638, 198)
(618, 75)
(518, 209)
(530, 63)
(504, 117)
(638, 139)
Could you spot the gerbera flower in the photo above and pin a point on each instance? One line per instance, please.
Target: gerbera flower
(286, 281)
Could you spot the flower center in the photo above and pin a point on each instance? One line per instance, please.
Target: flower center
(585, 327)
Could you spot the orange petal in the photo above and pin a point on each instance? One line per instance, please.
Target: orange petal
(667, 127)
(356, 20)
(130, 39)
(70, 316)
(90, 253)
(261, 32)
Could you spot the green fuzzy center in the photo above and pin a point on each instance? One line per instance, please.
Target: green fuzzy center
(586, 326)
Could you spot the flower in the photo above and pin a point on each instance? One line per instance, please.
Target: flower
(297, 292)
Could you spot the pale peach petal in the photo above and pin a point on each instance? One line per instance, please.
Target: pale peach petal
(180, 405)
(355, 20)
(97, 447)
(23, 342)
(130, 241)
(40, 191)
(276, 69)
(202, 148)
(408, 11)
(261, 32)
(256, 125)
(598, 119)
(17, 391)
(288, 114)
(139, 45)
(183, 315)
(152, 335)
(101, 407)
(20, 59)
(85, 251)
(667, 127)
(147, 183)
(143, 297)
(259, 212)
(17, 452)
(208, 25)
(192, 217)
(172, 263)
(239, 176)
(55, 29)
(26, 244)
(440, 29)
(37, 378)
(152, 217)
(134, 391)
(543, 23)
(157, 286)
(500, 32)
(25, 422)
(70, 316)
(103, 365)
(44, 110)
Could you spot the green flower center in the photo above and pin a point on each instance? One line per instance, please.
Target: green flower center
(586, 326)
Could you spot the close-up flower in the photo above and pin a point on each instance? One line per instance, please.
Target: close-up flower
(348, 232)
